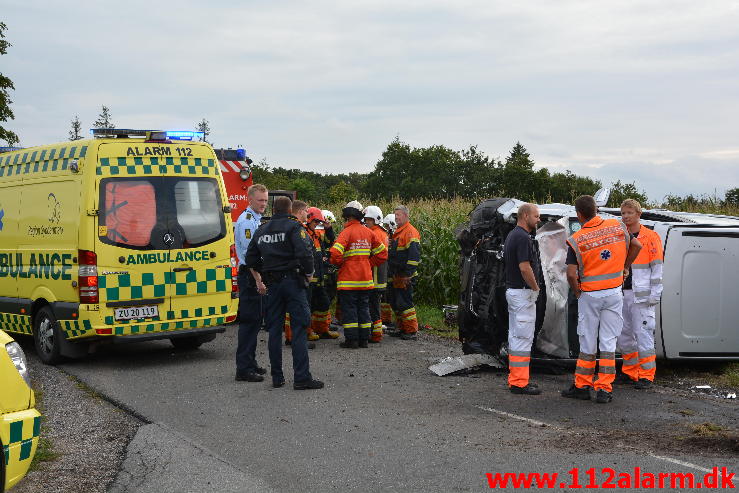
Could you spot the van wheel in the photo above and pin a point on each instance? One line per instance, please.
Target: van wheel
(46, 335)
(193, 342)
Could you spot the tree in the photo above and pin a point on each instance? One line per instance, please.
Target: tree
(305, 189)
(75, 133)
(104, 119)
(204, 127)
(342, 192)
(5, 85)
(622, 191)
(732, 197)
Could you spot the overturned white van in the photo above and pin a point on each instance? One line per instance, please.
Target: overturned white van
(698, 316)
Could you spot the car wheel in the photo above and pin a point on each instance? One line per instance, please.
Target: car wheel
(46, 335)
(186, 343)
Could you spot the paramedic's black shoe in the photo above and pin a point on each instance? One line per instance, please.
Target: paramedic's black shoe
(577, 393)
(408, 336)
(308, 385)
(249, 377)
(624, 379)
(603, 396)
(642, 384)
(350, 344)
(527, 390)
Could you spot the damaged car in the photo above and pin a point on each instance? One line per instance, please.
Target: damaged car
(698, 315)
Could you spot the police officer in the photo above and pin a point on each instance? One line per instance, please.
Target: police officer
(250, 301)
(281, 261)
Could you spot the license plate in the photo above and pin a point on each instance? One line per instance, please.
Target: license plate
(136, 312)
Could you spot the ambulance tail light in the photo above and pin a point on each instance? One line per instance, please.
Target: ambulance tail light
(234, 270)
(88, 277)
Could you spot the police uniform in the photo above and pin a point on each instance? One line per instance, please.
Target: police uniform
(599, 249)
(281, 251)
(251, 305)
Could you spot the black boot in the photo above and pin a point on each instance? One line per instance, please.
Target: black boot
(350, 344)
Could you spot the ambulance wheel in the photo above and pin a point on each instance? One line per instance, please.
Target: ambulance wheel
(46, 335)
(186, 343)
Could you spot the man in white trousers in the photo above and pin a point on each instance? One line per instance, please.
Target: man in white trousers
(522, 290)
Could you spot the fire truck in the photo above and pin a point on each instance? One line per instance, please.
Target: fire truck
(237, 176)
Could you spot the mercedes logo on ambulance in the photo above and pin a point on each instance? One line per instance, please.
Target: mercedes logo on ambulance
(168, 238)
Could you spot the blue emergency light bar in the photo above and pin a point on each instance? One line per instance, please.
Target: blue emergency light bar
(184, 135)
(10, 149)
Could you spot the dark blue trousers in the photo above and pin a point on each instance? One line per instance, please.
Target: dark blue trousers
(251, 313)
(288, 296)
(355, 314)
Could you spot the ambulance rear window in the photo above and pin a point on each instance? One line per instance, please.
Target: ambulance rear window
(160, 213)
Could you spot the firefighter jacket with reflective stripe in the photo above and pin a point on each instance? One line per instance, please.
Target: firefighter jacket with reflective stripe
(281, 245)
(646, 271)
(379, 273)
(601, 246)
(356, 251)
(322, 241)
(405, 251)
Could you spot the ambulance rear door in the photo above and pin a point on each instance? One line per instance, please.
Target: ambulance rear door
(699, 309)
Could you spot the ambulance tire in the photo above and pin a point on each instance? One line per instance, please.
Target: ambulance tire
(187, 343)
(46, 336)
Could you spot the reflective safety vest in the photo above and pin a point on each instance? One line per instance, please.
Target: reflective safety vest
(601, 246)
(356, 251)
(646, 271)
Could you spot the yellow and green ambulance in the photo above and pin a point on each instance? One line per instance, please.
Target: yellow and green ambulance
(20, 422)
(122, 237)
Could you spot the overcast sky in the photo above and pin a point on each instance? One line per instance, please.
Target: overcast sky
(631, 90)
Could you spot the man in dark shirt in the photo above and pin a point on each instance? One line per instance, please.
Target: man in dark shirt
(522, 290)
(280, 259)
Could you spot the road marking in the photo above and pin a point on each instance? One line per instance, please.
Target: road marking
(515, 416)
(680, 463)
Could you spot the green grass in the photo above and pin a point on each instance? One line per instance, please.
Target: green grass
(431, 320)
(45, 449)
(716, 374)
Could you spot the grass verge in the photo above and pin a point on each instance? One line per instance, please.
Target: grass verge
(45, 449)
(431, 320)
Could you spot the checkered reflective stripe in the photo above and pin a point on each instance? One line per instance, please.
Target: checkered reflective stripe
(23, 433)
(156, 165)
(76, 328)
(19, 324)
(134, 286)
(40, 161)
(199, 317)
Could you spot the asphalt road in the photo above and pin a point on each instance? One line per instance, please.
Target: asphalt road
(384, 422)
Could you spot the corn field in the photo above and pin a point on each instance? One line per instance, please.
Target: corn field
(435, 220)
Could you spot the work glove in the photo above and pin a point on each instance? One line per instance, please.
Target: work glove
(652, 301)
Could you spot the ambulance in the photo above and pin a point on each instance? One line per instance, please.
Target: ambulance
(123, 237)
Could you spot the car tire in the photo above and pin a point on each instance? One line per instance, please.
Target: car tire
(186, 343)
(47, 337)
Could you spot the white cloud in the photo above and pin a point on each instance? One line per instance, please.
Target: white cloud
(633, 88)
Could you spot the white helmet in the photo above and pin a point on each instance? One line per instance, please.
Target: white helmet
(389, 222)
(328, 216)
(373, 212)
(354, 204)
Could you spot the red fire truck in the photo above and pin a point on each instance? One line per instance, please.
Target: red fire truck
(237, 176)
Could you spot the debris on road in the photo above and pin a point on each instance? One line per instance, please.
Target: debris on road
(454, 364)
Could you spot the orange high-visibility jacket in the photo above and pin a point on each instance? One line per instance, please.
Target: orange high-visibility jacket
(379, 272)
(601, 246)
(405, 251)
(646, 271)
(356, 251)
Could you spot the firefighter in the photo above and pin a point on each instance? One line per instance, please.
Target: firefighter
(331, 273)
(251, 306)
(320, 302)
(405, 254)
(598, 258)
(522, 290)
(388, 222)
(300, 211)
(280, 259)
(642, 291)
(373, 220)
(356, 251)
